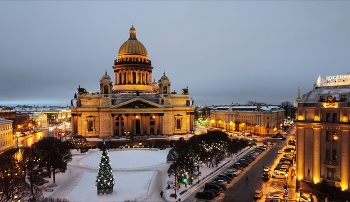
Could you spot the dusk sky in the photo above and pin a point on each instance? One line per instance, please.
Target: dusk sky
(225, 52)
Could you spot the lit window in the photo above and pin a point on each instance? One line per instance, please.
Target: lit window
(331, 174)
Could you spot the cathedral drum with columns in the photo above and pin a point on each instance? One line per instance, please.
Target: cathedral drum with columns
(134, 105)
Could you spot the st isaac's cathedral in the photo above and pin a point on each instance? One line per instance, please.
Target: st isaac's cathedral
(131, 104)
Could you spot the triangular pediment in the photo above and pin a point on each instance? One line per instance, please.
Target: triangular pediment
(137, 103)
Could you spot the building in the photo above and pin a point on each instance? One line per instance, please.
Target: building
(6, 134)
(322, 132)
(130, 104)
(254, 119)
(34, 118)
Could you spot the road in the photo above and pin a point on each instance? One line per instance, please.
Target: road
(30, 139)
(239, 190)
(244, 191)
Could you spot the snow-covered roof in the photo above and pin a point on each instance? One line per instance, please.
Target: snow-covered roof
(31, 109)
(248, 108)
(334, 91)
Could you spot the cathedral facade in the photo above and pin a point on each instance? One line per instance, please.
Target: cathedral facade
(131, 105)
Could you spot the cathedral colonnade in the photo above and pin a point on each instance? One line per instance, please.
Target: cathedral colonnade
(132, 77)
(137, 124)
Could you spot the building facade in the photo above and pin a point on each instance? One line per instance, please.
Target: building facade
(322, 132)
(6, 134)
(259, 120)
(131, 104)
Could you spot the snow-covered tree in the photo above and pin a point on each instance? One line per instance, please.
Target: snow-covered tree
(105, 179)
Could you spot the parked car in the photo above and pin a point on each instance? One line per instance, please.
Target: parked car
(266, 176)
(226, 177)
(208, 186)
(237, 172)
(237, 167)
(205, 195)
(240, 164)
(258, 194)
(220, 184)
(216, 192)
(279, 174)
(229, 174)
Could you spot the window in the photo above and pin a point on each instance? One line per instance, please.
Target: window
(178, 123)
(334, 155)
(328, 117)
(343, 98)
(328, 154)
(105, 89)
(331, 154)
(321, 98)
(90, 126)
(331, 136)
(335, 118)
(317, 112)
(134, 77)
(328, 136)
(331, 174)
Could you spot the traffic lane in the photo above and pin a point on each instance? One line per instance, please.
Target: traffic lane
(242, 191)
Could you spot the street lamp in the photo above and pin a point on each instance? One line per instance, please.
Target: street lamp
(85, 129)
(18, 134)
(126, 133)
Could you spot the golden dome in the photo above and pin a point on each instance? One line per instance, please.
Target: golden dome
(132, 47)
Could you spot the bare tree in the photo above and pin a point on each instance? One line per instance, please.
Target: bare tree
(12, 183)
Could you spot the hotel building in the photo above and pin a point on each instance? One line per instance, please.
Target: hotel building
(322, 132)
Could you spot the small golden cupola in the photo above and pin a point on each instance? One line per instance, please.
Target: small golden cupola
(106, 84)
(164, 85)
(132, 68)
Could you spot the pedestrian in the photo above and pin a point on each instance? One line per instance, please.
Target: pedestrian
(161, 194)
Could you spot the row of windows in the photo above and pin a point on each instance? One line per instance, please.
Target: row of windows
(8, 127)
(133, 59)
(343, 98)
(5, 135)
(5, 143)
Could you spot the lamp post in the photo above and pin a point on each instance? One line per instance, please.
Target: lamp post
(175, 187)
(85, 129)
(199, 173)
(126, 133)
(18, 134)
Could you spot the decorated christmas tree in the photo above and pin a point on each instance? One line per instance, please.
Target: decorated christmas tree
(105, 179)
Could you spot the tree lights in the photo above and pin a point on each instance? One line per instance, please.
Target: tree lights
(105, 179)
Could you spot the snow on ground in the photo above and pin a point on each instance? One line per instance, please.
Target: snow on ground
(126, 187)
(134, 171)
(140, 175)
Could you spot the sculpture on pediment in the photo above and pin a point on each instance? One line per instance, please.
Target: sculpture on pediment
(81, 90)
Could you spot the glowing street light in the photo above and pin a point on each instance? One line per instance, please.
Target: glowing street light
(85, 129)
(18, 134)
